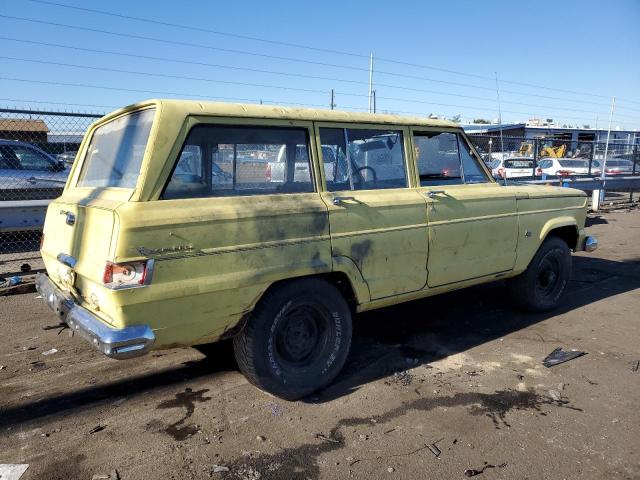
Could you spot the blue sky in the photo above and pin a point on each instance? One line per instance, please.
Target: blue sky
(587, 47)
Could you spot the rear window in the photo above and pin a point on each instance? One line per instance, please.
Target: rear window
(115, 152)
(574, 163)
(518, 164)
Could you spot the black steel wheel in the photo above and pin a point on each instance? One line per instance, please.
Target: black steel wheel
(296, 340)
(545, 280)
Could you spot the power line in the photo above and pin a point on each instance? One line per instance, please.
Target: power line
(185, 94)
(256, 54)
(159, 92)
(316, 77)
(281, 87)
(318, 49)
(200, 29)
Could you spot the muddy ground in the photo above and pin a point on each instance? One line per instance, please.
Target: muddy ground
(462, 371)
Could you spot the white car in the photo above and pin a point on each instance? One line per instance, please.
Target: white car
(566, 167)
(516, 167)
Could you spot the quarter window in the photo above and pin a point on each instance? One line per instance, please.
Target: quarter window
(229, 161)
(363, 159)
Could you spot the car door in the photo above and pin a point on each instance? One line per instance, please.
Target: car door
(472, 220)
(377, 218)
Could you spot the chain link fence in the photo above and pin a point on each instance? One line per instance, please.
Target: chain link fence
(37, 149)
(552, 158)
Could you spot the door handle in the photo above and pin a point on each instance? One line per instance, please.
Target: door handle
(433, 193)
(341, 200)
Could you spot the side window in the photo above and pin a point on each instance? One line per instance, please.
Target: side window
(31, 159)
(438, 158)
(472, 171)
(219, 160)
(363, 159)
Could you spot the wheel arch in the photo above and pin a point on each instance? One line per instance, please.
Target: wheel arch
(565, 228)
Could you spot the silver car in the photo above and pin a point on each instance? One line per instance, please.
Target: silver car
(29, 173)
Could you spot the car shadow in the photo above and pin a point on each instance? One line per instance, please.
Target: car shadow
(385, 341)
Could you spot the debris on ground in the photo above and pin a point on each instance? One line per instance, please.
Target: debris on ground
(434, 449)
(559, 356)
(472, 472)
(114, 475)
(402, 377)
(219, 468)
(62, 326)
(2, 367)
(276, 410)
(321, 436)
(635, 367)
(25, 267)
(391, 469)
(261, 438)
(97, 428)
(50, 352)
(12, 471)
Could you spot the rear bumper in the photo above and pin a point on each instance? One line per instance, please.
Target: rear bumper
(119, 343)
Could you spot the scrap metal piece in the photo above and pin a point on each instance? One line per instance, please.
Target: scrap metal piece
(559, 356)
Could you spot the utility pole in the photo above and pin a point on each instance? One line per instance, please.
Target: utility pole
(598, 195)
(333, 99)
(370, 82)
(499, 115)
(374, 101)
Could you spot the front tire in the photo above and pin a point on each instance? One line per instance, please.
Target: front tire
(542, 285)
(296, 340)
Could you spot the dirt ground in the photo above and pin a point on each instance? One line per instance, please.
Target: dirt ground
(462, 371)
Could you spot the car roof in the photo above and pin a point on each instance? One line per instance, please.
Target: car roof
(192, 107)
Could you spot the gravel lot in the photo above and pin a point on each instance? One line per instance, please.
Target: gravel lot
(462, 371)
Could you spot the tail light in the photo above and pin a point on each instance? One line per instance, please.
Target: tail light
(127, 275)
(267, 172)
(502, 172)
(538, 171)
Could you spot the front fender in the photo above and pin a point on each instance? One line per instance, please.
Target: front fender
(557, 222)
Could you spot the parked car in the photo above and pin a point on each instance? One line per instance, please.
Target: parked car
(29, 173)
(517, 167)
(138, 257)
(275, 170)
(67, 157)
(619, 167)
(566, 167)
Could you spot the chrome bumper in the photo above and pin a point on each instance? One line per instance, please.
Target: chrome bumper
(119, 343)
(590, 244)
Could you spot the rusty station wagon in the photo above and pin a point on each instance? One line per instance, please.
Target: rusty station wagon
(173, 230)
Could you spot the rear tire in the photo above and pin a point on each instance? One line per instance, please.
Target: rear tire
(296, 340)
(541, 286)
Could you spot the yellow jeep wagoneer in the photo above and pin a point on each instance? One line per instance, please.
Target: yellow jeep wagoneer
(183, 223)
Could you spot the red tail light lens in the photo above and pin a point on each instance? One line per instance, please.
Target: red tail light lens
(127, 275)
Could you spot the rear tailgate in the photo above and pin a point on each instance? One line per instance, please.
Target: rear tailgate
(77, 243)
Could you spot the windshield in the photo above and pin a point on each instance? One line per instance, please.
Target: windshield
(115, 153)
